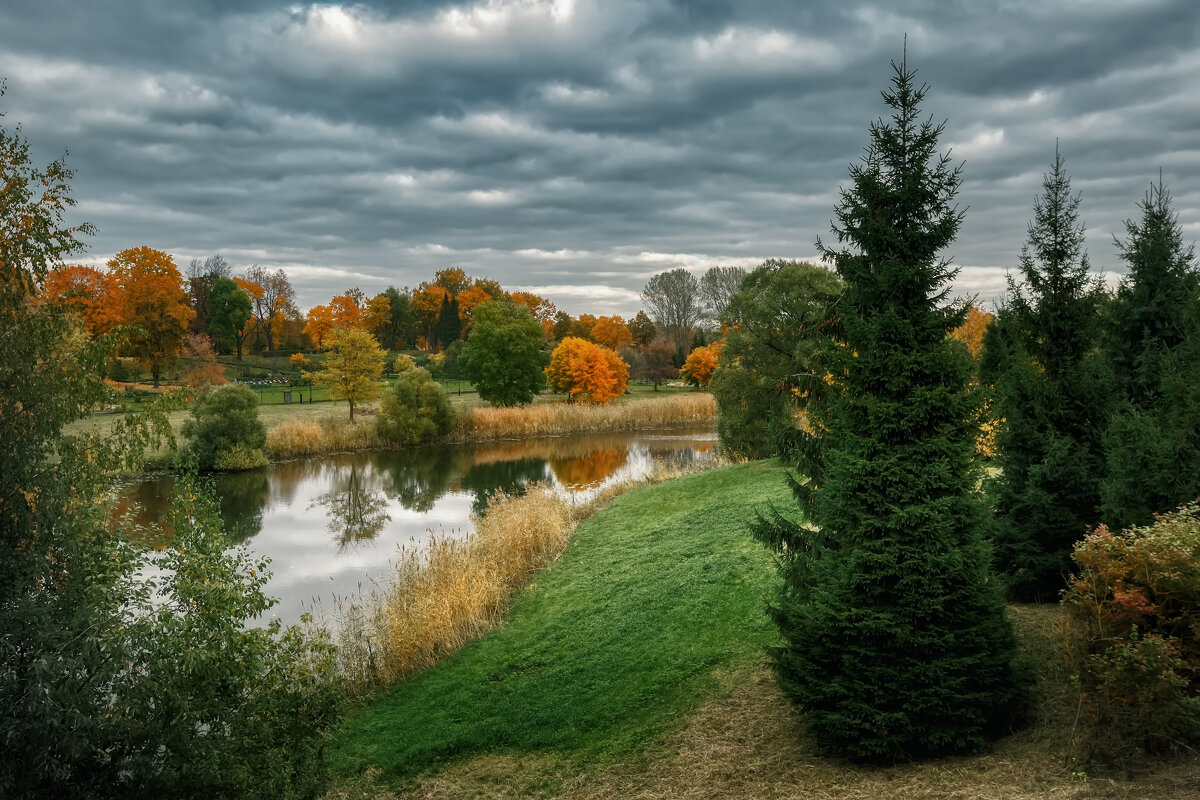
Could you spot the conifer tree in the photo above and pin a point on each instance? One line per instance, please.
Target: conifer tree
(1052, 397)
(1152, 344)
(896, 641)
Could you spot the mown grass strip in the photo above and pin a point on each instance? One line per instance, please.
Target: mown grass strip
(608, 649)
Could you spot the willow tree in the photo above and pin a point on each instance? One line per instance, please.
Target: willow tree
(895, 639)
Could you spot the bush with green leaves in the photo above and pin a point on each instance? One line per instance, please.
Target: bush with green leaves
(1134, 637)
(110, 686)
(415, 410)
(773, 325)
(225, 432)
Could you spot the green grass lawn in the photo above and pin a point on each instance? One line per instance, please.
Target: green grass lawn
(610, 649)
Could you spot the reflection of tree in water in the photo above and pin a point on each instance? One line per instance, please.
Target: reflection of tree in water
(242, 497)
(589, 470)
(509, 476)
(356, 514)
(418, 476)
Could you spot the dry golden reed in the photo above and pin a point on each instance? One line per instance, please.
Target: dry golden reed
(309, 437)
(552, 419)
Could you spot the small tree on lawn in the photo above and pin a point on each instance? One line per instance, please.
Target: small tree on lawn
(895, 640)
(352, 368)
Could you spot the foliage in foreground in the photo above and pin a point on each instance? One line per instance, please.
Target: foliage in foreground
(225, 432)
(1134, 637)
(109, 686)
(896, 642)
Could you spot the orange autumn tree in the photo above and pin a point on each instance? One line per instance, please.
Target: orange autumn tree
(700, 364)
(543, 310)
(612, 332)
(155, 306)
(89, 293)
(467, 300)
(453, 279)
(318, 325)
(346, 312)
(587, 371)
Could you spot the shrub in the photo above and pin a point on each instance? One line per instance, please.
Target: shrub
(225, 429)
(415, 410)
(1134, 636)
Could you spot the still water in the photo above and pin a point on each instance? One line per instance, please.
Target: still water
(331, 525)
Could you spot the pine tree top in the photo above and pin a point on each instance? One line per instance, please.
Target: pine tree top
(898, 215)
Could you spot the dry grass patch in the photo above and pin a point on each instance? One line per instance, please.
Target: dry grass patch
(309, 436)
(553, 419)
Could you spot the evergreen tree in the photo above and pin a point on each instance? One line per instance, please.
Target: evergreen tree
(448, 325)
(895, 637)
(1052, 397)
(1153, 442)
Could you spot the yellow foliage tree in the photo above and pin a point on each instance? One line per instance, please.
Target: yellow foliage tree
(351, 370)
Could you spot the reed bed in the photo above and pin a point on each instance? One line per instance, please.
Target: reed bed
(454, 590)
(297, 438)
(553, 419)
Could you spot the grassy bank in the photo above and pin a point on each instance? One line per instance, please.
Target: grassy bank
(634, 668)
(608, 649)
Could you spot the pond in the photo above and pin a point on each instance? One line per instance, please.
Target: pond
(332, 525)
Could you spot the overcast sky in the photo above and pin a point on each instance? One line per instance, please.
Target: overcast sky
(574, 148)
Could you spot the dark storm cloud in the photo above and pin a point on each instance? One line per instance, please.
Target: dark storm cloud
(576, 148)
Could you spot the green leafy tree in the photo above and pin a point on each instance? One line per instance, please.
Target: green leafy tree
(642, 330)
(1050, 392)
(503, 357)
(1152, 444)
(895, 640)
(352, 368)
(229, 314)
(773, 327)
(112, 687)
(415, 410)
(225, 431)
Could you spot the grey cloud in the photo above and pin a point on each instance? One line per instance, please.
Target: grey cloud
(376, 143)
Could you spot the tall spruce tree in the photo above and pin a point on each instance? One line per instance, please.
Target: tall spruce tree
(1053, 399)
(895, 637)
(1152, 344)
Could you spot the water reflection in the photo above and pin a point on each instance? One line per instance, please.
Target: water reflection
(356, 512)
(331, 524)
